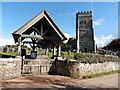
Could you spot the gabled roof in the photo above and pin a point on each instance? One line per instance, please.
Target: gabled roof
(36, 19)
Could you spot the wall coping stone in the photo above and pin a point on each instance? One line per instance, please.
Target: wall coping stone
(9, 59)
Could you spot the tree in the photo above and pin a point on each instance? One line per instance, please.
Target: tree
(70, 45)
(114, 45)
(65, 47)
(73, 43)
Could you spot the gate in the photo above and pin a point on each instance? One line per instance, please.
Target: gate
(36, 66)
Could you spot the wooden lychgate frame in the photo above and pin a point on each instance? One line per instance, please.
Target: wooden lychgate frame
(39, 29)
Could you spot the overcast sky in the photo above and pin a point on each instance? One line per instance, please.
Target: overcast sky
(105, 18)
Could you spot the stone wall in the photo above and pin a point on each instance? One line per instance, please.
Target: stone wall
(77, 69)
(10, 68)
(80, 70)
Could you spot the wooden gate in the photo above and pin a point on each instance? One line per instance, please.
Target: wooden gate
(36, 66)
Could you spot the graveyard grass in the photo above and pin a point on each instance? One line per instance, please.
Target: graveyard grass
(9, 53)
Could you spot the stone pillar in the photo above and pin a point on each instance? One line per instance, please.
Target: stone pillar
(19, 45)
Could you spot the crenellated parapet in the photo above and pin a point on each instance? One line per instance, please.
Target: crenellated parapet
(85, 13)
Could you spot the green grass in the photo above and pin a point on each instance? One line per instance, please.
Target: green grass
(50, 54)
(64, 55)
(9, 53)
(101, 74)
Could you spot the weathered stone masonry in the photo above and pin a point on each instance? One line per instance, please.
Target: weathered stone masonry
(85, 32)
(76, 69)
(10, 68)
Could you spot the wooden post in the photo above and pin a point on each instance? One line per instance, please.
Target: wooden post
(46, 51)
(41, 29)
(96, 48)
(19, 45)
(59, 50)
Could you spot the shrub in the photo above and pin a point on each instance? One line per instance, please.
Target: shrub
(78, 56)
(93, 58)
(118, 54)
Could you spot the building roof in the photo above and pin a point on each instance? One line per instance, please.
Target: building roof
(49, 27)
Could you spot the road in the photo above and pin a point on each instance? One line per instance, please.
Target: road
(56, 82)
(106, 81)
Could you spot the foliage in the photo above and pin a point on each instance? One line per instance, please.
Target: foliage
(114, 45)
(95, 58)
(118, 54)
(73, 43)
(65, 55)
(65, 47)
(50, 54)
(102, 53)
(90, 58)
(70, 45)
(78, 56)
(15, 46)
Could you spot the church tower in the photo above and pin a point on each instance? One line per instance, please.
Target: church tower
(84, 32)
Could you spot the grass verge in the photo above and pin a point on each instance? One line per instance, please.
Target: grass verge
(9, 53)
(100, 74)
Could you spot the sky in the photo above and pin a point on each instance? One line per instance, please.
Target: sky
(119, 19)
(105, 18)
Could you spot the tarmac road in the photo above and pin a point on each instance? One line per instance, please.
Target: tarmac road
(106, 81)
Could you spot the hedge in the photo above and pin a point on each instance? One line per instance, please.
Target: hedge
(95, 58)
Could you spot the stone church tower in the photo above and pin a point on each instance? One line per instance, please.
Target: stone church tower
(84, 32)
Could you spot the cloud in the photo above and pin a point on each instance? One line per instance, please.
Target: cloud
(10, 41)
(67, 35)
(103, 40)
(4, 42)
(98, 22)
